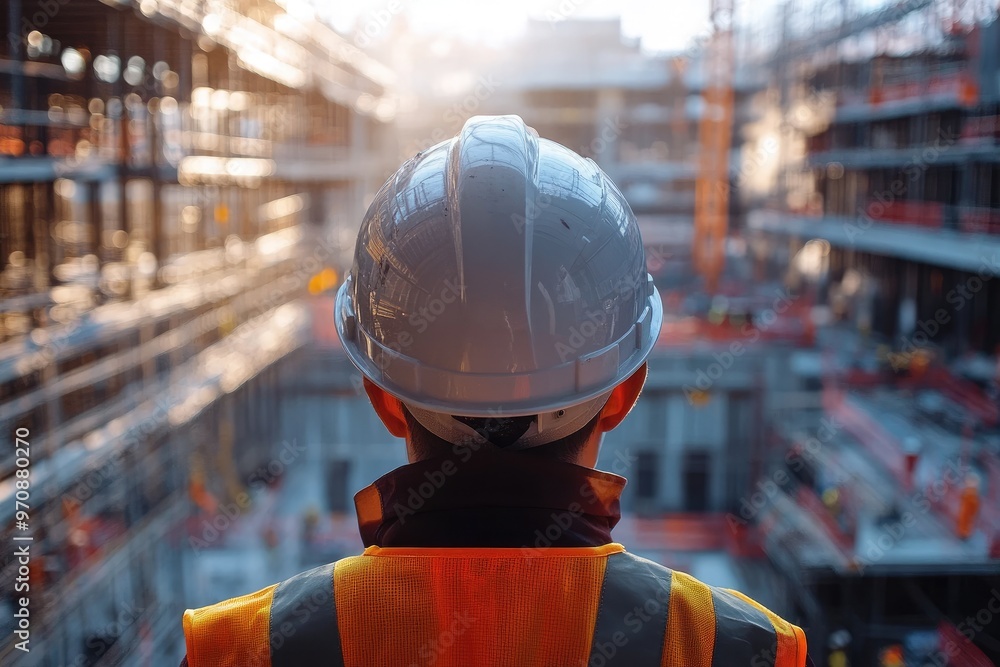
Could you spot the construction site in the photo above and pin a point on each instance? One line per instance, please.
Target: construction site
(817, 187)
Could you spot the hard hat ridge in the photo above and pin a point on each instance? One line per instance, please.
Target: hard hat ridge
(498, 274)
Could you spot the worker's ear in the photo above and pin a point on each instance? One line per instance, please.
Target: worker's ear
(622, 400)
(388, 408)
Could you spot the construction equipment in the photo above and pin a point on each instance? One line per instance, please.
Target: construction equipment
(715, 130)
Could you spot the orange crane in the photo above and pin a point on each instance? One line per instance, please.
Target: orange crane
(715, 132)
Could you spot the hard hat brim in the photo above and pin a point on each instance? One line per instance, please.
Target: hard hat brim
(497, 394)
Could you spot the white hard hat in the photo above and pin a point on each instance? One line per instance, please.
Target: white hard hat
(497, 274)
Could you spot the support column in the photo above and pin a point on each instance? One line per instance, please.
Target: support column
(41, 214)
(358, 132)
(154, 243)
(907, 316)
(94, 222)
(15, 52)
(608, 127)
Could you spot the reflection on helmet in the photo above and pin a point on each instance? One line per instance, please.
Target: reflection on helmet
(498, 274)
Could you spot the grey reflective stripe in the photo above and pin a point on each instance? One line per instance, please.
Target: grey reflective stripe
(632, 615)
(303, 622)
(744, 637)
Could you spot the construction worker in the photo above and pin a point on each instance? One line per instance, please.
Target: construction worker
(839, 643)
(501, 314)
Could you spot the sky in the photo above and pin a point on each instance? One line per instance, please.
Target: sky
(660, 24)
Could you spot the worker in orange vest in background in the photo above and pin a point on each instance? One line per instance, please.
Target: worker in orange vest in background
(968, 507)
(839, 642)
(891, 656)
(501, 314)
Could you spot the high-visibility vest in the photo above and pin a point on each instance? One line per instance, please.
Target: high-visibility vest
(580, 607)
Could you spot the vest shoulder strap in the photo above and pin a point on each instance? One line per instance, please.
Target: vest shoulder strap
(743, 634)
(651, 615)
(288, 624)
(789, 644)
(304, 621)
(632, 613)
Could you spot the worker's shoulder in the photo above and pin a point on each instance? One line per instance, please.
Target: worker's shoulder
(741, 622)
(241, 630)
(689, 597)
(230, 632)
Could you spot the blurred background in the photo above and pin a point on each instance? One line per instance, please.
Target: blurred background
(818, 188)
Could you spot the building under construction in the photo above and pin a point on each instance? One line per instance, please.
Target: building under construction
(880, 509)
(180, 188)
(163, 166)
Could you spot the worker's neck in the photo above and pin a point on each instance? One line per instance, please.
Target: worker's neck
(586, 457)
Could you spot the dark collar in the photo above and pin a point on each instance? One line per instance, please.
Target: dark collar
(490, 498)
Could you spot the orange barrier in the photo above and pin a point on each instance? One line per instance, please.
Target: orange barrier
(675, 531)
(954, 644)
(956, 85)
(792, 327)
(979, 221)
(918, 213)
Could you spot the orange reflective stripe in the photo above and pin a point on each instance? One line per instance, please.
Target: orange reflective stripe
(233, 633)
(460, 607)
(791, 646)
(690, 637)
